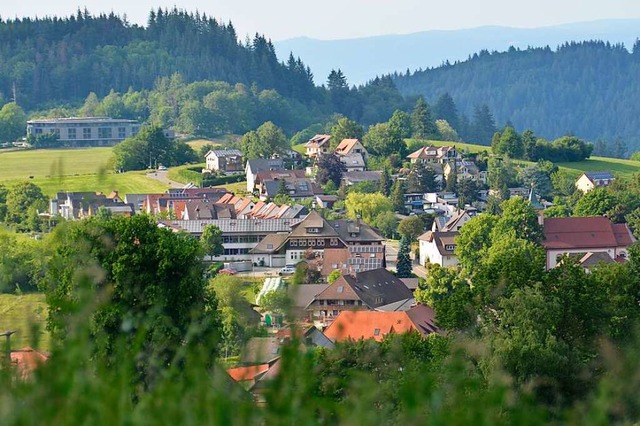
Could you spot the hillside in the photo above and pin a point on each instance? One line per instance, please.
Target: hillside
(73, 56)
(621, 168)
(589, 89)
(361, 59)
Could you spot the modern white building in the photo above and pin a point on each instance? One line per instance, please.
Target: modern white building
(85, 131)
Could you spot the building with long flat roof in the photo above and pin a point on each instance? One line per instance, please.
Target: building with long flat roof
(85, 131)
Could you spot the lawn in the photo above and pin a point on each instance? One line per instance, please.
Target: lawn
(617, 166)
(24, 314)
(48, 163)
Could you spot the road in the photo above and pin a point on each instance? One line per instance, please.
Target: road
(162, 177)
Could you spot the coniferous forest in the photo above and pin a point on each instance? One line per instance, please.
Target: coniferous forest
(589, 89)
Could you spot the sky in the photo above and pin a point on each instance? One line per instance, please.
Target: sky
(339, 19)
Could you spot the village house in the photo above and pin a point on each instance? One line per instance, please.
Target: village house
(438, 247)
(164, 203)
(356, 325)
(81, 205)
(433, 154)
(465, 169)
(314, 234)
(317, 145)
(226, 161)
(352, 154)
(583, 235)
(257, 165)
(325, 201)
(589, 181)
(376, 289)
(455, 221)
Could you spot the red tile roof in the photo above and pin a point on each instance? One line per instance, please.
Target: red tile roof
(584, 233)
(240, 374)
(355, 325)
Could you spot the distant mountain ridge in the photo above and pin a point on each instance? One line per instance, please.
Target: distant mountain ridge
(361, 59)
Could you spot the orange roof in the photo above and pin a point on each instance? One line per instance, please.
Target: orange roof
(226, 197)
(240, 374)
(356, 325)
(27, 359)
(346, 145)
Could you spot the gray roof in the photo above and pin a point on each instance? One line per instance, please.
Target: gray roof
(233, 226)
(401, 305)
(136, 200)
(366, 176)
(225, 153)
(377, 287)
(599, 175)
(302, 295)
(364, 232)
(262, 164)
(82, 120)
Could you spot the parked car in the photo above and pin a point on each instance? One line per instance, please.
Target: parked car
(161, 168)
(287, 270)
(227, 271)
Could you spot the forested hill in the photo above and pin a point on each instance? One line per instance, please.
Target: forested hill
(55, 60)
(590, 89)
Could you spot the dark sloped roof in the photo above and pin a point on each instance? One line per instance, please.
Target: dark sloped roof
(364, 232)
(261, 164)
(302, 295)
(377, 287)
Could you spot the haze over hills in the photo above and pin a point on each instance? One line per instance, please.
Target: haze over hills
(363, 58)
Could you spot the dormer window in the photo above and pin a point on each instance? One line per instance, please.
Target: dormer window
(313, 230)
(450, 247)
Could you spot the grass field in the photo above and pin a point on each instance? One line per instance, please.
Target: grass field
(82, 169)
(48, 163)
(236, 187)
(23, 314)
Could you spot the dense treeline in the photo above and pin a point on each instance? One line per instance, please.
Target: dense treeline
(589, 89)
(183, 70)
(63, 59)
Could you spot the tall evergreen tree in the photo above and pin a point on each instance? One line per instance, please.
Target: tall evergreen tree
(422, 121)
(483, 126)
(445, 109)
(403, 263)
(397, 196)
(385, 183)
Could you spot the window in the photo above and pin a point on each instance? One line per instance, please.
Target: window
(313, 230)
(312, 242)
(320, 243)
(303, 242)
(122, 132)
(104, 132)
(71, 133)
(333, 242)
(38, 131)
(376, 332)
(86, 133)
(293, 243)
(450, 247)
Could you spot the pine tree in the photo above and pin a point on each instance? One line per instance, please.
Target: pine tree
(403, 264)
(445, 109)
(397, 196)
(385, 183)
(422, 121)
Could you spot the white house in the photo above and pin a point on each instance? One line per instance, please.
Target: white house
(438, 247)
(591, 180)
(317, 145)
(253, 167)
(227, 161)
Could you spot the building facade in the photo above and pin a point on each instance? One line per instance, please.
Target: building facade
(85, 131)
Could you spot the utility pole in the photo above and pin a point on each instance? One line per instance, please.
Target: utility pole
(7, 357)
